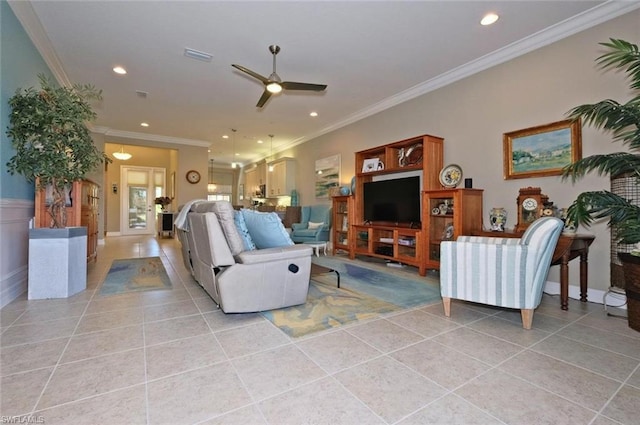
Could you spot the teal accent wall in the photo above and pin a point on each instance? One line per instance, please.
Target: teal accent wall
(20, 64)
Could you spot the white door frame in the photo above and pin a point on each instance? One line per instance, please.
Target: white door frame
(151, 208)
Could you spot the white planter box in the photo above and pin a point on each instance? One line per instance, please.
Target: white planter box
(57, 262)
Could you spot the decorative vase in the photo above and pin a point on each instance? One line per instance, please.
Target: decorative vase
(344, 190)
(498, 219)
(294, 198)
(353, 185)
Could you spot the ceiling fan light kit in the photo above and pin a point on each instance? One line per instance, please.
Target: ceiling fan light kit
(274, 83)
(274, 87)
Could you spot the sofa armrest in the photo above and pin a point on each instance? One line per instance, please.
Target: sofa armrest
(298, 226)
(274, 254)
(489, 240)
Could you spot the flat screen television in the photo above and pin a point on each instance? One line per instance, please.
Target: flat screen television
(395, 200)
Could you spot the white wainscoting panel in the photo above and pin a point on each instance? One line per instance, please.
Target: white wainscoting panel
(15, 215)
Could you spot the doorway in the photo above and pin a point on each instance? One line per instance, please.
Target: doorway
(141, 185)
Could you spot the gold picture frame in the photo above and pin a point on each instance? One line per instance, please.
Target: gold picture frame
(543, 150)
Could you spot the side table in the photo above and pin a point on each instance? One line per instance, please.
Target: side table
(317, 247)
(165, 223)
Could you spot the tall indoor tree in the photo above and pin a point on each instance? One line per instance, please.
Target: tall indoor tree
(52, 143)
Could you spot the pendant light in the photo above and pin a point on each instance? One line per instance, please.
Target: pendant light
(233, 154)
(271, 154)
(211, 186)
(121, 154)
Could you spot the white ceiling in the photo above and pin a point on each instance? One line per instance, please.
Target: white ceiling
(372, 55)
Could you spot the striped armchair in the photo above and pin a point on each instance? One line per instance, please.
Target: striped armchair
(505, 272)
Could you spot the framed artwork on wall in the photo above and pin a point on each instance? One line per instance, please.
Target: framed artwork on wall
(327, 175)
(542, 150)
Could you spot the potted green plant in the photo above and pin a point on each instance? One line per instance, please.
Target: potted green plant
(53, 146)
(163, 201)
(622, 120)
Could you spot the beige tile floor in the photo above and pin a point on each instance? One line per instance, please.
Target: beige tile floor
(171, 357)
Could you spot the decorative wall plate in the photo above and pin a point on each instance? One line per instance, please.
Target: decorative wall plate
(451, 175)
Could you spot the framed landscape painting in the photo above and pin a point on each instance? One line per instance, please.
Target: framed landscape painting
(327, 175)
(542, 150)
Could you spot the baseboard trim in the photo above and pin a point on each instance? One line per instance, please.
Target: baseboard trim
(14, 285)
(593, 295)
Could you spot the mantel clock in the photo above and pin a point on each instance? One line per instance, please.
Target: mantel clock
(530, 202)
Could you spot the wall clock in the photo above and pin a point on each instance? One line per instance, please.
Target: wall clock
(193, 176)
(530, 202)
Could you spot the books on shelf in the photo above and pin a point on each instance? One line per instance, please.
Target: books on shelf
(407, 241)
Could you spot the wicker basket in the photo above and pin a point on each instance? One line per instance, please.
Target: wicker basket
(631, 267)
(624, 185)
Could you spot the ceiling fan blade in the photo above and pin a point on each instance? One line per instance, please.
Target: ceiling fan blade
(264, 80)
(263, 99)
(291, 85)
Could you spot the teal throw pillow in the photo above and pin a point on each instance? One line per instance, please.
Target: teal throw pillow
(238, 218)
(266, 229)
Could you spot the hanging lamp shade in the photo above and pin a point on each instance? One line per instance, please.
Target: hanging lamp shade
(233, 151)
(271, 154)
(121, 154)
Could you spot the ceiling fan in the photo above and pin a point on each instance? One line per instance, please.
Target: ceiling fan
(274, 84)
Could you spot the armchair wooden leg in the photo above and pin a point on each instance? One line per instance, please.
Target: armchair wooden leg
(527, 317)
(446, 303)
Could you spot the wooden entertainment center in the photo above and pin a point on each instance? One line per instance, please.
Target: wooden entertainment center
(397, 242)
(416, 244)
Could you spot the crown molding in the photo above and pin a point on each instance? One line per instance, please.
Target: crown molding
(587, 19)
(108, 132)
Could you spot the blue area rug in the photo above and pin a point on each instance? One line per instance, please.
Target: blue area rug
(365, 293)
(134, 275)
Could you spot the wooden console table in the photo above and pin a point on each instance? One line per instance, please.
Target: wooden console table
(570, 246)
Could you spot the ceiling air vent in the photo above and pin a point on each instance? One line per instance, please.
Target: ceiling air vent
(195, 54)
(141, 94)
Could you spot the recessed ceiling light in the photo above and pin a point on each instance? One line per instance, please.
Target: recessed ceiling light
(144, 124)
(237, 154)
(489, 19)
(225, 136)
(313, 114)
(119, 70)
(260, 141)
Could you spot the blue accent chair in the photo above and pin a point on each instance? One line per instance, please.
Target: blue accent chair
(314, 232)
(505, 272)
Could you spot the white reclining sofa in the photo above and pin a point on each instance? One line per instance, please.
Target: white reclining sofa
(241, 275)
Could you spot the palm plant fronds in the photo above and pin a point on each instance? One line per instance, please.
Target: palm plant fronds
(590, 206)
(623, 122)
(613, 164)
(622, 54)
(621, 119)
